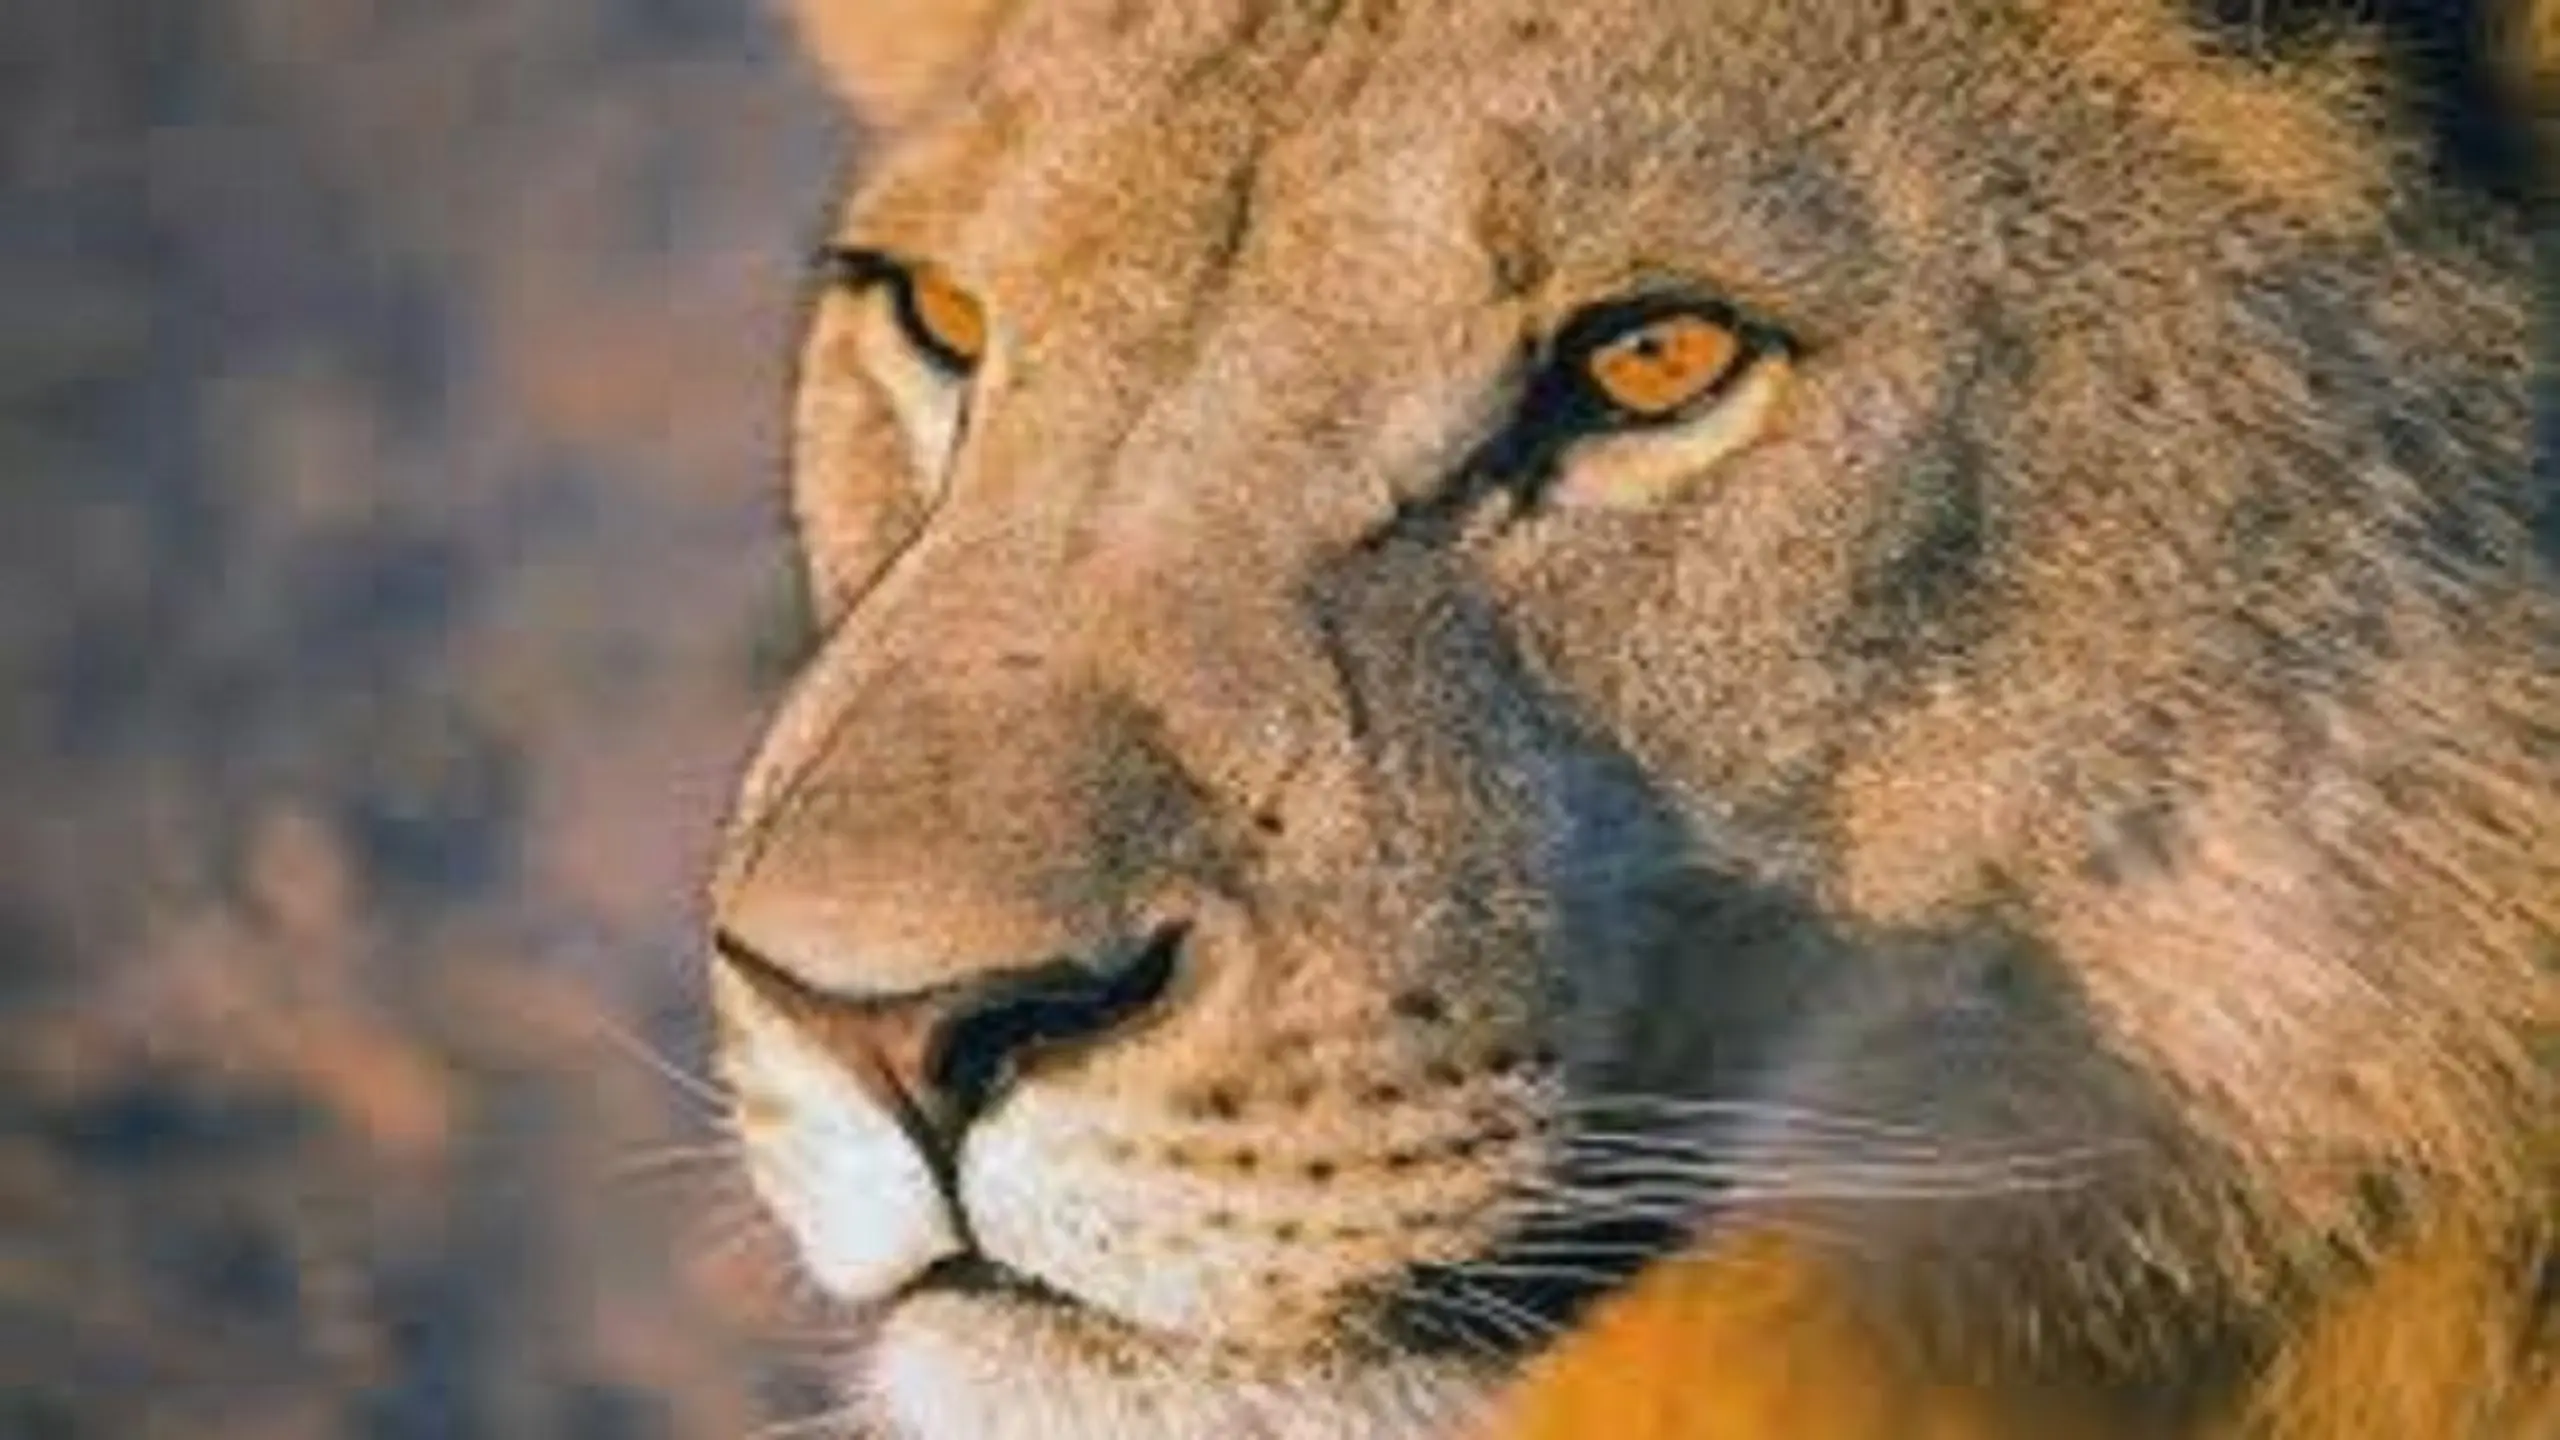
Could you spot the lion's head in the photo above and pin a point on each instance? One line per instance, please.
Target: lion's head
(1463, 644)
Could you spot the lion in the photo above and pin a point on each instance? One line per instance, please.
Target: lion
(1547, 717)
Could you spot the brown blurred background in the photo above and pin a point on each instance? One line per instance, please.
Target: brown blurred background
(389, 576)
(389, 580)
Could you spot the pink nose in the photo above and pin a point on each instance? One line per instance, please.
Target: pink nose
(937, 1057)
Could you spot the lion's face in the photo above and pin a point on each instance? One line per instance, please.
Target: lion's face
(1462, 640)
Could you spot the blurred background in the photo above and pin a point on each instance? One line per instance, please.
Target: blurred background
(389, 580)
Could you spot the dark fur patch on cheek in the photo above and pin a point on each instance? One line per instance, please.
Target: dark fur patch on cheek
(1924, 598)
(1929, 592)
(2545, 1304)
(2065, 1181)
(2137, 842)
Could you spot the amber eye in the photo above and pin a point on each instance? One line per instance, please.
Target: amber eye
(1657, 367)
(943, 321)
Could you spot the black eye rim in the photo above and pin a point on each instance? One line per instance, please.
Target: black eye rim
(1570, 396)
(858, 269)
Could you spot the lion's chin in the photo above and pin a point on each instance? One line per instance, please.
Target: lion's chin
(1002, 1365)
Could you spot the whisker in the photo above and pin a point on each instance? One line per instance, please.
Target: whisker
(1640, 1148)
(1431, 1310)
(1667, 1182)
(1504, 1270)
(1440, 1408)
(1682, 1193)
(1444, 1409)
(837, 1421)
(1564, 1245)
(1486, 1335)
(1656, 1203)
(1533, 1328)
(1913, 1142)
(835, 1341)
(1634, 1186)
(2052, 1167)
(1614, 1195)
(1368, 1332)
(660, 1159)
(1636, 1146)
(708, 1092)
(724, 1227)
(1703, 1107)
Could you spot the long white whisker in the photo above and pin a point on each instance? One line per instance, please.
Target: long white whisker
(837, 1421)
(659, 1159)
(1897, 1144)
(1606, 1144)
(1504, 1270)
(699, 1088)
(1437, 1306)
(2071, 1169)
(1715, 1109)
(1655, 1203)
(1533, 1328)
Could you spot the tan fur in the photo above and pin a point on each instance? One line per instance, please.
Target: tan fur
(888, 56)
(2067, 803)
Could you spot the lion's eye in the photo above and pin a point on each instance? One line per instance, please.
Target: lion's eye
(942, 321)
(1656, 368)
(916, 336)
(1647, 395)
(1654, 359)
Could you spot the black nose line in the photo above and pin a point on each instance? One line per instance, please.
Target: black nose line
(1049, 1007)
(729, 945)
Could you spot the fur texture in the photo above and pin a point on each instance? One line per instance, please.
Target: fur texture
(2033, 871)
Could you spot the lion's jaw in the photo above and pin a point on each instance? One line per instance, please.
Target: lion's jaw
(1884, 791)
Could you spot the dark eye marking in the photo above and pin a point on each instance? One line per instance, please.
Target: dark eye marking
(945, 323)
(1647, 360)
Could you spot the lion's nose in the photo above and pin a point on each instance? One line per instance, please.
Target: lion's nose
(937, 1058)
